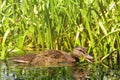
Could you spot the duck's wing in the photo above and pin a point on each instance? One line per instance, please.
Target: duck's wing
(60, 56)
(27, 58)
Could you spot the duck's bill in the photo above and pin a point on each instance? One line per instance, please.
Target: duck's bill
(89, 58)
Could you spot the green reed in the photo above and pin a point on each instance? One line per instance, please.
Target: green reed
(60, 24)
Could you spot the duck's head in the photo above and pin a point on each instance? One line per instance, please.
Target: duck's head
(80, 52)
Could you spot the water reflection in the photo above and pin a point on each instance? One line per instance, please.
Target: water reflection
(6, 73)
(11, 71)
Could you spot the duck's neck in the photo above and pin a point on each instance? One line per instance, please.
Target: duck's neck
(76, 58)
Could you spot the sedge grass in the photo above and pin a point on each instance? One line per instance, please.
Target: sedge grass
(61, 24)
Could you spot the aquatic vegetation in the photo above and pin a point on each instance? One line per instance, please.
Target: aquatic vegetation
(61, 24)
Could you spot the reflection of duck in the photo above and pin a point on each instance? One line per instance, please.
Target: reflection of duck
(80, 73)
(53, 57)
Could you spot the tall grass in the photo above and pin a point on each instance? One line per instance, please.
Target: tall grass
(61, 24)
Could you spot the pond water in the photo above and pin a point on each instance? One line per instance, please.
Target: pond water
(83, 71)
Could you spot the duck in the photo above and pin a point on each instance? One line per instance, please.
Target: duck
(54, 57)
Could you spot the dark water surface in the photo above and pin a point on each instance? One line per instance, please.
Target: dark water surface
(84, 71)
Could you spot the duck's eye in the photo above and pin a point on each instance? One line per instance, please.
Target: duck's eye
(83, 51)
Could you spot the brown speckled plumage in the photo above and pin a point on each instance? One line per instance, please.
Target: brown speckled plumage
(54, 57)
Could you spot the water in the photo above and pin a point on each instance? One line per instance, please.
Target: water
(83, 71)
